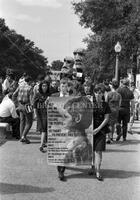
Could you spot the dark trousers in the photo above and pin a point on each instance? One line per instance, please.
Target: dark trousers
(14, 122)
(124, 117)
(61, 169)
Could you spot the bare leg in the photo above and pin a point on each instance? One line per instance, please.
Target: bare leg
(43, 138)
(98, 160)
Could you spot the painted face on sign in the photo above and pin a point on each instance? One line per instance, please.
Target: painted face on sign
(78, 57)
(68, 121)
(54, 84)
(67, 67)
(44, 87)
(87, 89)
(64, 88)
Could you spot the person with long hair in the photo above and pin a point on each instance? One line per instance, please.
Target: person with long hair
(40, 109)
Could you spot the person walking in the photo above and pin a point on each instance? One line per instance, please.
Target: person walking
(134, 107)
(124, 110)
(63, 92)
(40, 100)
(114, 100)
(1, 90)
(24, 96)
(101, 113)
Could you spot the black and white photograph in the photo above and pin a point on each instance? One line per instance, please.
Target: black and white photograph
(69, 99)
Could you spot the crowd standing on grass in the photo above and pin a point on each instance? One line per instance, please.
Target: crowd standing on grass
(114, 106)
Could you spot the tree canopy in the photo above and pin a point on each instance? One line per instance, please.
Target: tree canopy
(110, 21)
(19, 54)
(56, 65)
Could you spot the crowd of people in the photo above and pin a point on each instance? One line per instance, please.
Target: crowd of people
(115, 106)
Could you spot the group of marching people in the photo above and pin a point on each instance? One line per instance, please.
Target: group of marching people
(25, 100)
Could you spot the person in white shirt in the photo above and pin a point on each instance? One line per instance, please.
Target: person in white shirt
(22, 80)
(7, 82)
(8, 114)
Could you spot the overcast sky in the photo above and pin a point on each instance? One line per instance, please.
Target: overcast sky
(51, 24)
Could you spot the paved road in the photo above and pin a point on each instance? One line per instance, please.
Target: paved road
(25, 175)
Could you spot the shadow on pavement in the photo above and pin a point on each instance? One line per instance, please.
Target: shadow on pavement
(2, 142)
(121, 151)
(136, 127)
(6, 188)
(35, 142)
(107, 173)
(31, 137)
(114, 173)
(82, 173)
(136, 132)
(128, 142)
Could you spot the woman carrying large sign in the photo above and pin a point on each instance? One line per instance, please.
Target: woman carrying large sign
(70, 129)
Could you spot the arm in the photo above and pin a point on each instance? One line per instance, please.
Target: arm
(120, 101)
(35, 100)
(14, 96)
(13, 111)
(107, 98)
(105, 121)
(5, 85)
(31, 96)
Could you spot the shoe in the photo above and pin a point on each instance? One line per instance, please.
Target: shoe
(61, 176)
(91, 171)
(17, 137)
(25, 140)
(124, 139)
(118, 137)
(130, 132)
(108, 142)
(41, 149)
(99, 177)
(44, 145)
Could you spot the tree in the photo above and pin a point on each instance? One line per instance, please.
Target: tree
(19, 54)
(56, 65)
(112, 21)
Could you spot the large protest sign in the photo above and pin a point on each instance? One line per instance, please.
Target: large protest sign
(70, 128)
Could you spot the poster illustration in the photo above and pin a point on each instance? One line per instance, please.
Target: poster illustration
(70, 140)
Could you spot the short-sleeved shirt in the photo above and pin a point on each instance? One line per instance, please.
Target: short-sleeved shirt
(127, 95)
(99, 112)
(7, 108)
(24, 93)
(113, 99)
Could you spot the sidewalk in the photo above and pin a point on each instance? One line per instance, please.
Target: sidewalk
(25, 174)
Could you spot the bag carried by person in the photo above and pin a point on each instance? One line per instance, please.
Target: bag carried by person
(28, 108)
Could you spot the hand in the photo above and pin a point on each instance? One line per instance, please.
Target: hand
(95, 131)
(47, 101)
